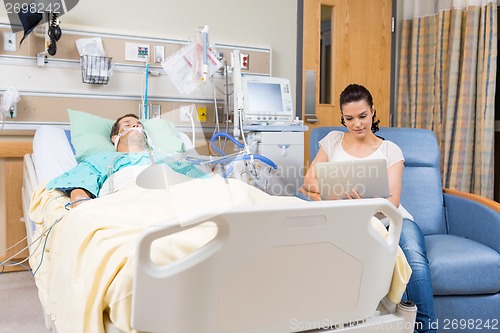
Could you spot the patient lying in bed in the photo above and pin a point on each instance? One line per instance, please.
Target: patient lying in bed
(86, 180)
(86, 266)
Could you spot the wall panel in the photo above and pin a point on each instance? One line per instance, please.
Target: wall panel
(48, 91)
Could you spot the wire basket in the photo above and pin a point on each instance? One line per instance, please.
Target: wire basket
(95, 69)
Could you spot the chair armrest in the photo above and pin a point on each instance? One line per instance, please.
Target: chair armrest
(472, 216)
(474, 197)
(306, 195)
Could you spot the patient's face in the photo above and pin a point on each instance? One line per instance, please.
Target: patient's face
(131, 135)
(128, 122)
(358, 117)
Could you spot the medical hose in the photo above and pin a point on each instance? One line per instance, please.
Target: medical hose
(226, 135)
(250, 157)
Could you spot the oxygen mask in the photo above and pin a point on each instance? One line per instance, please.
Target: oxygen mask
(135, 137)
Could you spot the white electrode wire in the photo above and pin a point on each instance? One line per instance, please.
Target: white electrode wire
(43, 249)
(33, 242)
(228, 106)
(9, 248)
(46, 233)
(3, 263)
(228, 96)
(20, 263)
(192, 128)
(217, 125)
(247, 149)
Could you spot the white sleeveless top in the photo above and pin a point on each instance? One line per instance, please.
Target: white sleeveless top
(388, 150)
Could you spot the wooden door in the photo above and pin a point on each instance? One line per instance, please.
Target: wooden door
(357, 50)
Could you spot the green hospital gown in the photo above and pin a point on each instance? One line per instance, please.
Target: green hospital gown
(91, 173)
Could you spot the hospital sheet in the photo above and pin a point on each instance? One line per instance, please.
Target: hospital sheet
(88, 258)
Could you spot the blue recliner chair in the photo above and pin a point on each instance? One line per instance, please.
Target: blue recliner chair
(462, 235)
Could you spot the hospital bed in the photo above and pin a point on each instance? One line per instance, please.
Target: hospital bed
(275, 264)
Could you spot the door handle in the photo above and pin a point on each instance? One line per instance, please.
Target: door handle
(310, 97)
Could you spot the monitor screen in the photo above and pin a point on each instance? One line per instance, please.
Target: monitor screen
(266, 100)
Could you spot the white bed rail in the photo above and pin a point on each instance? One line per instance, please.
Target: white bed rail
(30, 180)
(271, 268)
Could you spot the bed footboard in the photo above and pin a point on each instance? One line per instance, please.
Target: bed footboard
(271, 268)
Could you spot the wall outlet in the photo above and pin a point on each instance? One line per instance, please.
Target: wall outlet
(185, 114)
(159, 53)
(12, 112)
(155, 110)
(9, 41)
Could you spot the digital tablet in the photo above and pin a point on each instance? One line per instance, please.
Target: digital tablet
(368, 177)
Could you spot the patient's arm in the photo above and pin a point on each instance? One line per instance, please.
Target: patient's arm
(79, 195)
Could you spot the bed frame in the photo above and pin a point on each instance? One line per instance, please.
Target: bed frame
(295, 267)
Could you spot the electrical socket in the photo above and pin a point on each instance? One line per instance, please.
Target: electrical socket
(9, 41)
(155, 110)
(12, 112)
(185, 114)
(159, 53)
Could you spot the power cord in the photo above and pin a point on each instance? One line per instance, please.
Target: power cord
(54, 34)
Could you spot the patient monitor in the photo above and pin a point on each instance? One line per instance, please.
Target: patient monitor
(264, 114)
(266, 100)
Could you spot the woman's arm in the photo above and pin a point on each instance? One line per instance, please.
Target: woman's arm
(395, 173)
(311, 179)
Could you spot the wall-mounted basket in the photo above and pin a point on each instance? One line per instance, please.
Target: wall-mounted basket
(95, 69)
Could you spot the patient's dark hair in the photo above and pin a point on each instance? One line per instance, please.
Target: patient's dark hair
(116, 125)
(355, 93)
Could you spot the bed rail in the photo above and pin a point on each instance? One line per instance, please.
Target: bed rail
(30, 180)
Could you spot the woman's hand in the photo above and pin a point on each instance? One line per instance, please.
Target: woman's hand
(354, 195)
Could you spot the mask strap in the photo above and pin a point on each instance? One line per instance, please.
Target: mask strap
(117, 140)
(125, 131)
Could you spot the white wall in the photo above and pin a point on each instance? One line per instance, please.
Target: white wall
(249, 23)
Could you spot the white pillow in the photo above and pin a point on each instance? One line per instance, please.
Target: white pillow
(52, 153)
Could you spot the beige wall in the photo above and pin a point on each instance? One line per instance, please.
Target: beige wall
(257, 23)
(235, 22)
(46, 92)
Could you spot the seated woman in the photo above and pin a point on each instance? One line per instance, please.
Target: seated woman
(358, 115)
(85, 181)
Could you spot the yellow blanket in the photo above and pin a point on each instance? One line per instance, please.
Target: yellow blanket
(86, 261)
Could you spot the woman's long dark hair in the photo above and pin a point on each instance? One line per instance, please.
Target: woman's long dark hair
(355, 93)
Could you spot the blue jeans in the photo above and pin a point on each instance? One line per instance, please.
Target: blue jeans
(419, 288)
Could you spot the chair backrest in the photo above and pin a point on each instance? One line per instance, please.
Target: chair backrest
(422, 189)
